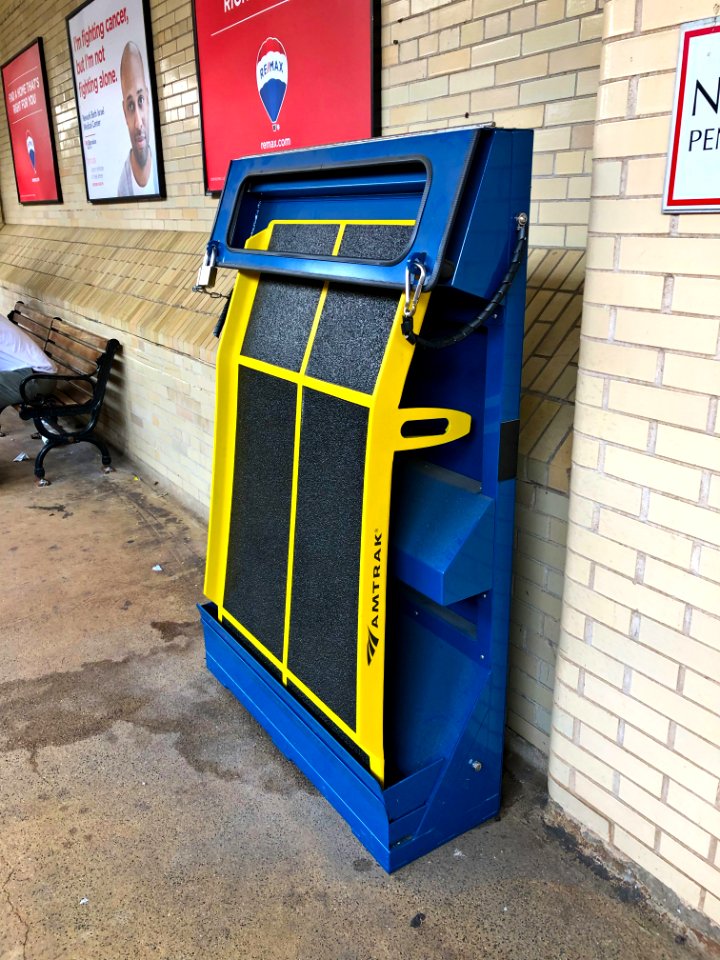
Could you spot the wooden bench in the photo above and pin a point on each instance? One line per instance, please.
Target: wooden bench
(69, 406)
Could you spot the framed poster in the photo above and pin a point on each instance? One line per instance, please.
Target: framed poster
(283, 74)
(691, 179)
(114, 76)
(27, 104)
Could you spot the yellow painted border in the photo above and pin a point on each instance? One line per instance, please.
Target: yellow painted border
(384, 439)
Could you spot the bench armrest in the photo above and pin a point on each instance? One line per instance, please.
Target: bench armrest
(55, 378)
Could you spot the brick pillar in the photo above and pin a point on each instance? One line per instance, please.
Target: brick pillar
(635, 743)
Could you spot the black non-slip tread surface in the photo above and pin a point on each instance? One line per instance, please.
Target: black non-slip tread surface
(352, 336)
(304, 239)
(280, 320)
(374, 241)
(259, 535)
(324, 612)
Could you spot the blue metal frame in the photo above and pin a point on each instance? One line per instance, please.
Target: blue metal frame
(452, 509)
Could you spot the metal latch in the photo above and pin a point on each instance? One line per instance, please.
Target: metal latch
(208, 271)
(415, 275)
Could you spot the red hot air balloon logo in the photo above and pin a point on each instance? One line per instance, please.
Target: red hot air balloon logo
(271, 72)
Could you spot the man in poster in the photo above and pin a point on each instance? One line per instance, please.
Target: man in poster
(139, 174)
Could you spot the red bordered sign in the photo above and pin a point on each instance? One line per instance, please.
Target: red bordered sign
(31, 134)
(276, 75)
(693, 171)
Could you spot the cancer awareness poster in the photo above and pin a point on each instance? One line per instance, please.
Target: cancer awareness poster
(113, 70)
(277, 75)
(31, 135)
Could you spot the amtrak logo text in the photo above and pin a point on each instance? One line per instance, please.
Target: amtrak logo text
(373, 641)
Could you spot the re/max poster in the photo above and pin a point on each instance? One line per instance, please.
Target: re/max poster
(282, 74)
(31, 134)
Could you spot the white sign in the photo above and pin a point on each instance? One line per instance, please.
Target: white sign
(114, 86)
(692, 180)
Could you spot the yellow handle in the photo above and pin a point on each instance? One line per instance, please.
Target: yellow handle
(457, 424)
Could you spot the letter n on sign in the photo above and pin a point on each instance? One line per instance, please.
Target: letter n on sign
(692, 179)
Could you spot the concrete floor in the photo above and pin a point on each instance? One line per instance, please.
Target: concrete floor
(144, 814)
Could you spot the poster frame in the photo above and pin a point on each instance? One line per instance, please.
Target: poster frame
(48, 118)
(157, 138)
(374, 92)
(671, 203)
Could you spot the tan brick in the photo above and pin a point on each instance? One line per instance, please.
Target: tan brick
(617, 758)
(494, 51)
(705, 815)
(580, 811)
(680, 768)
(610, 806)
(594, 714)
(661, 404)
(636, 655)
(593, 659)
(522, 68)
(468, 80)
(606, 178)
(550, 38)
(601, 608)
(583, 761)
(688, 446)
(595, 547)
(655, 93)
(710, 564)
(665, 817)
(695, 295)
(641, 54)
(570, 161)
(690, 864)
(696, 521)
(644, 537)
(626, 290)
(657, 15)
(712, 908)
(651, 471)
(702, 753)
(547, 89)
(701, 690)
(577, 110)
(451, 62)
(657, 866)
(645, 176)
(632, 138)
(631, 217)
(606, 425)
(600, 256)
(614, 359)
(668, 254)
(689, 334)
(628, 708)
(609, 491)
(640, 597)
(580, 57)
(691, 372)
(676, 707)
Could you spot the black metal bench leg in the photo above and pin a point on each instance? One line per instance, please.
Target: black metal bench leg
(39, 469)
(104, 453)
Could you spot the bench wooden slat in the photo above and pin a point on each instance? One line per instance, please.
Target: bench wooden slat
(73, 363)
(74, 348)
(82, 337)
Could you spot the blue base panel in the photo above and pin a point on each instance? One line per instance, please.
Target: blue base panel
(397, 824)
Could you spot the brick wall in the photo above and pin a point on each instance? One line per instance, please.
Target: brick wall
(524, 64)
(636, 729)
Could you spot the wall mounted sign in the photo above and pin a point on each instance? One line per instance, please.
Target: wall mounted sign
(114, 75)
(692, 183)
(283, 74)
(31, 134)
